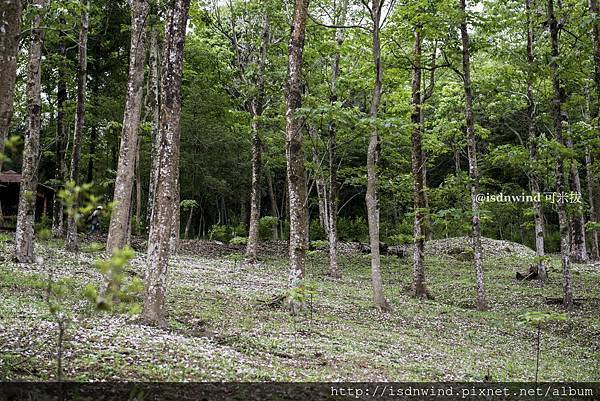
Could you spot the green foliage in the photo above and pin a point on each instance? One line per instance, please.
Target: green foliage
(355, 229)
(44, 234)
(238, 241)
(188, 204)
(266, 224)
(119, 294)
(536, 318)
(316, 231)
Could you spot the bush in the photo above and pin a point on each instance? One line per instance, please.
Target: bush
(353, 230)
(219, 232)
(265, 227)
(400, 239)
(44, 234)
(239, 241)
(316, 231)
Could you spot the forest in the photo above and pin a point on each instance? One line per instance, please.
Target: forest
(300, 191)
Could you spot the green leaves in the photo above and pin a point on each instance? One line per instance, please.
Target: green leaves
(535, 318)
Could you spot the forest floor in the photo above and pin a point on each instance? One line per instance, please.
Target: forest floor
(219, 328)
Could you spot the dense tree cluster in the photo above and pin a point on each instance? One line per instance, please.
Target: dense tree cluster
(377, 121)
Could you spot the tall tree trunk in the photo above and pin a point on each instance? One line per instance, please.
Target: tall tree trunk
(319, 180)
(154, 104)
(332, 201)
(557, 100)
(592, 202)
(472, 153)
(60, 173)
(92, 153)
(138, 183)
(256, 109)
(419, 289)
(534, 181)
(294, 148)
(29, 178)
(578, 246)
(10, 30)
(169, 131)
(71, 242)
(176, 220)
(119, 219)
(188, 224)
(371, 197)
(273, 199)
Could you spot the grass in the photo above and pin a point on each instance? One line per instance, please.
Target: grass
(218, 329)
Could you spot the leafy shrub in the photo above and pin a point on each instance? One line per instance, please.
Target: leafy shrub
(353, 230)
(265, 226)
(219, 232)
(44, 234)
(316, 231)
(238, 241)
(400, 239)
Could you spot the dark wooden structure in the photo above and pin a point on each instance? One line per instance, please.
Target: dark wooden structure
(10, 184)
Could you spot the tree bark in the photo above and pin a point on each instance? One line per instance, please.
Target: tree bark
(92, 153)
(10, 30)
(60, 173)
(71, 242)
(371, 197)
(419, 289)
(119, 219)
(294, 147)
(557, 100)
(578, 246)
(169, 132)
(273, 199)
(29, 176)
(472, 154)
(188, 224)
(319, 180)
(534, 181)
(256, 110)
(154, 104)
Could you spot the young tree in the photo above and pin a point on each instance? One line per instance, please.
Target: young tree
(256, 110)
(153, 103)
(120, 217)
(10, 30)
(71, 242)
(419, 288)
(557, 118)
(294, 146)
(534, 181)
(472, 155)
(29, 177)
(168, 139)
(371, 198)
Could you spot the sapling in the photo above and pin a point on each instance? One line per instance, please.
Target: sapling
(537, 319)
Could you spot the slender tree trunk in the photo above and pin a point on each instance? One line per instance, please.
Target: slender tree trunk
(61, 137)
(419, 289)
(188, 224)
(332, 194)
(92, 152)
(534, 181)
(578, 246)
(256, 109)
(10, 30)
(71, 242)
(176, 220)
(472, 152)
(565, 243)
(169, 131)
(592, 202)
(138, 183)
(371, 197)
(294, 147)
(119, 219)
(29, 178)
(319, 180)
(273, 199)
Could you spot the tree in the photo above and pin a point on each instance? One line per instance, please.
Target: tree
(256, 110)
(71, 242)
(372, 201)
(29, 176)
(472, 154)
(120, 217)
(557, 119)
(153, 104)
(534, 181)
(294, 147)
(419, 288)
(168, 139)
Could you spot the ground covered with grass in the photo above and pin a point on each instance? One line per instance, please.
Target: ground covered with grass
(221, 328)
